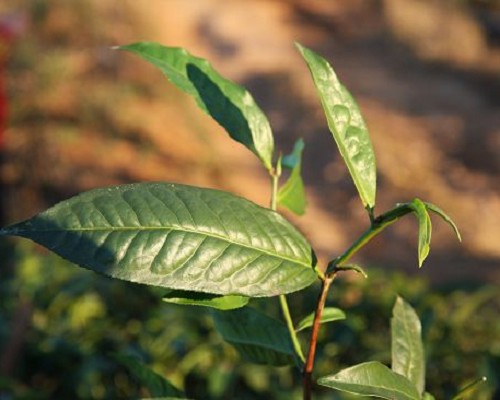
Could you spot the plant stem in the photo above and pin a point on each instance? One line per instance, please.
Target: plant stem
(274, 191)
(377, 226)
(289, 324)
(283, 301)
(314, 337)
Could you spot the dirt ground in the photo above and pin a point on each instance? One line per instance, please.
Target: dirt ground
(83, 115)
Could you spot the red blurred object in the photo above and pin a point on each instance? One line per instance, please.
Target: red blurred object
(11, 26)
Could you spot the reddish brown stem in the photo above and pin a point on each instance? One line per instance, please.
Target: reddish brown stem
(314, 337)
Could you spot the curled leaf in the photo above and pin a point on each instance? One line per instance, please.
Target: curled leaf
(424, 229)
(330, 314)
(217, 301)
(229, 104)
(352, 267)
(446, 218)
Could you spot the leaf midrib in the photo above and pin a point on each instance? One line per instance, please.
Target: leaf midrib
(327, 105)
(160, 228)
(411, 365)
(373, 386)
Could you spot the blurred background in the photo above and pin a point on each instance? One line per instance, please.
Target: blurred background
(76, 114)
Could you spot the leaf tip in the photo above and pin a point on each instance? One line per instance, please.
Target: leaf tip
(298, 45)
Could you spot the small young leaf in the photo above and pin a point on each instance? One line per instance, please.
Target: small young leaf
(445, 216)
(428, 396)
(408, 357)
(330, 314)
(205, 300)
(372, 379)
(346, 125)
(293, 159)
(156, 384)
(292, 194)
(176, 237)
(424, 229)
(228, 103)
(257, 337)
(352, 267)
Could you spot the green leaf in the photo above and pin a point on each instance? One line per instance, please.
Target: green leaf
(408, 358)
(428, 396)
(292, 194)
(346, 125)
(228, 103)
(157, 385)
(445, 217)
(176, 237)
(293, 159)
(372, 379)
(205, 299)
(257, 337)
(352, 267)
(330, 314)
(424, 229)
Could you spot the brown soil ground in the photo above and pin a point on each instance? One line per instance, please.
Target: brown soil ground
(83, 115)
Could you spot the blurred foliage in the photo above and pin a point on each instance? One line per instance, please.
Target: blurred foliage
(61, 324)
(78, 320)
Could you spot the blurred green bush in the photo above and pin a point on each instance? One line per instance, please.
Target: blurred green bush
(75, 321)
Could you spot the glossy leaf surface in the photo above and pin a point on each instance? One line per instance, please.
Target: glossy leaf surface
(292, 194)
(330, 314)
(424, 229)
(372, 379)
(408, 358)
(219, 302)
(346, 125)
(177, 237)
(257, 337)
(156, 384)
(228, 103)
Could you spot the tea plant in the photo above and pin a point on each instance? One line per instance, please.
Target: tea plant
(212, 248)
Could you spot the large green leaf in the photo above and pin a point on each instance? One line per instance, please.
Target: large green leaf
(217, 301)
(346, 125)
(424, 229)
(372, 379)
(178, 237)
(228, 103)
(408, 357)
(257, 337)
(156, 384)
(330, 314)
(292, 194)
